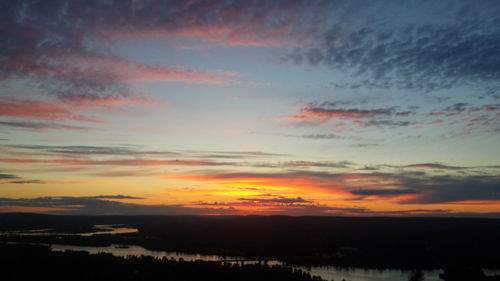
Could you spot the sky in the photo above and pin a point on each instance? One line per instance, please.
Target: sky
(283, 107)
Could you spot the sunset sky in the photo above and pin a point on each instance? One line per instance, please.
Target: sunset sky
(296, 107)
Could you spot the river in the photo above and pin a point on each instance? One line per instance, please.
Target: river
(325, 272)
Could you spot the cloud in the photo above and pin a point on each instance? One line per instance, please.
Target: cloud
(127, 150)
(300, 207)
(415, 187)
(149, 162)
(125, 173)
(459, 119)
(421, 212)
(39, 110)
(317, 210)
(465, 109)
(235, 154)
(67, 108)
(342, 164)
(454, 45)
(302, 180)
(41, 126)
(435, 166)
(319, 136)
(93, 150)
(452, 110)
(468, 119)
(115, 197)
(366, 144)
(281, 205)
(85, 156)
(106, 102)
(232, 23)
(74, 59)
(26, 182)
(278, 200)
(104, 80)
(384, 123)
(449, 189)
(99, 205)
(384, 192)
(115, 162)
(116, 69)
(322, 113)
(322, 136)
(8, 176)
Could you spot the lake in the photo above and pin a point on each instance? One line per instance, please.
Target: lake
(325, 272)
(96, 230)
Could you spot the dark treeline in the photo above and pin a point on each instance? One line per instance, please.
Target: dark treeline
(375, 242)
(465, 274)
(29, 262)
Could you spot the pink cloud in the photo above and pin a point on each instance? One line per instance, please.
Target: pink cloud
(89, 101)
(298, 117)
(492, 108)
(337, 113)
(67, 108)
(436, 122)
(324, 112)
(223, 33)
(113, 69)
(127, 70)
(39, 110)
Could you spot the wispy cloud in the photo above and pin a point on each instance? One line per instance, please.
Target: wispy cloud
(92, 150)
(84, 156)
(115, 162)
(384, 192)
(8, 176)
(40, 126)
(448, 189)
(435, 166)
(328, 112)
(325, 112)
(106, 204)
(39, 110)
(457, 119)
(66, 108)
(13, 179)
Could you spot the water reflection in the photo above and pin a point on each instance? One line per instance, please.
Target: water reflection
(110, 229)
(358, 274)
(328, 273)
(96, 230)
(133, 250)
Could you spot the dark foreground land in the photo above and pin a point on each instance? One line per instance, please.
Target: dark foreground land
(28, 262)
(375, 242)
